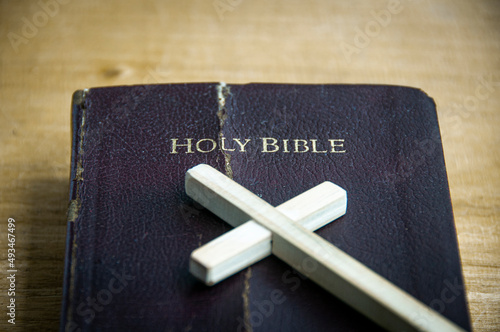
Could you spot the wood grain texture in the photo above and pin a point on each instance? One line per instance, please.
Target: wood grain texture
(447, 48)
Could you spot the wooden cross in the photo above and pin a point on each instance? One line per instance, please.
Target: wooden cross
(308, 253)
(250, 242)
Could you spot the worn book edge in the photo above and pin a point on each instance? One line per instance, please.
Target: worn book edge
(76, 178)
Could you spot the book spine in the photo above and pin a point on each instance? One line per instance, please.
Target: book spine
(77, 133)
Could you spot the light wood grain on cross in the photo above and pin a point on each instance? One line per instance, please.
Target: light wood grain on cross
(250, 242)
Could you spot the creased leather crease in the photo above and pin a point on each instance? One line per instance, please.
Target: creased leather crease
(223, 94)
(223, 91)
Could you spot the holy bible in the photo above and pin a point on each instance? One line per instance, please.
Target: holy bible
(132, 227)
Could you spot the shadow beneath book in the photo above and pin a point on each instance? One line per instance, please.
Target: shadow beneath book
(41, 245)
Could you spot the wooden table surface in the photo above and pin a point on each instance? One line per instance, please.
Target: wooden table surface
(49, 48)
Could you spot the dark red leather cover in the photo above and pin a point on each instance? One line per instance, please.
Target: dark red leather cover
(132, 228)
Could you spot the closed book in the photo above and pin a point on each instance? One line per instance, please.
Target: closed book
(132, 228)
